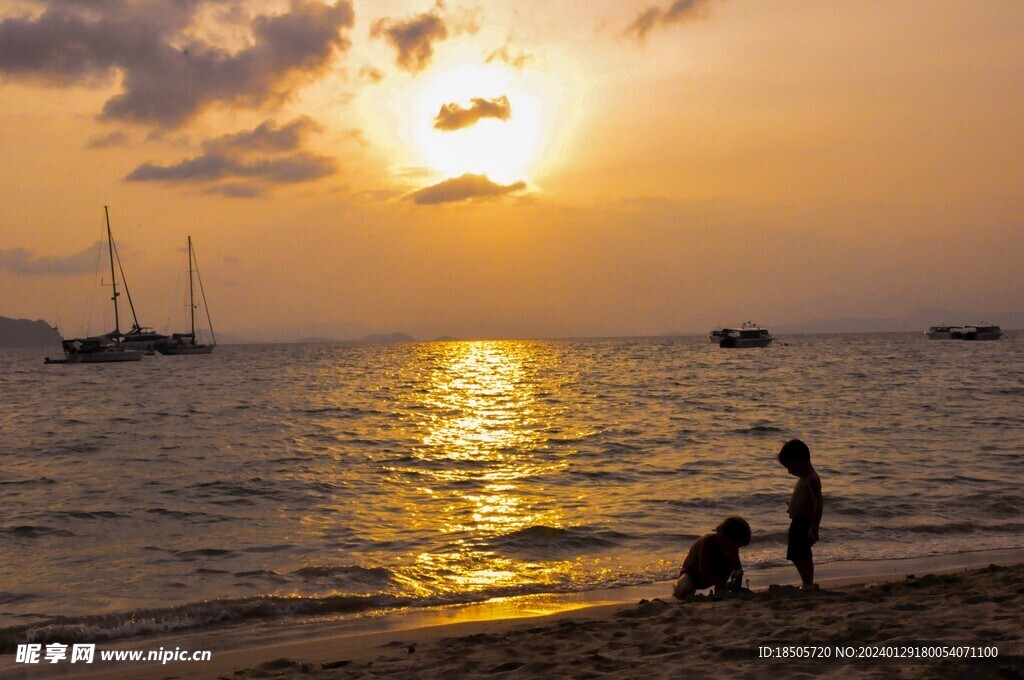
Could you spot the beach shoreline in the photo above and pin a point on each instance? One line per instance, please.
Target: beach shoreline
(365, 647)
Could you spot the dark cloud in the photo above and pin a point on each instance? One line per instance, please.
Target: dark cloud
(464, 188)
(266, 137)
(265, 156)
(454, 117)
(21, 261)
(168, 75)
(413, 38)
(679, 11)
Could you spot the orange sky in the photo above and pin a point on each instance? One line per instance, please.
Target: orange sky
(512, 169)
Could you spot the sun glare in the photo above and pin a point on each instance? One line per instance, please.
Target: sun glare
(504, 150)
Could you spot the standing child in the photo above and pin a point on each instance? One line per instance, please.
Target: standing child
(714, 560)
(805, 506)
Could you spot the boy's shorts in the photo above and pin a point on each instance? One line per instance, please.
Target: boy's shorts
(799, 548)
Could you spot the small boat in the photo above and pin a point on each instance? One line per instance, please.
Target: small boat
(944, 332)
(100, 349)
(185, 343)
(749, 335)
(982, 331)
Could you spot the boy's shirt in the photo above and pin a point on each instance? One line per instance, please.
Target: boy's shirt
(806, 498)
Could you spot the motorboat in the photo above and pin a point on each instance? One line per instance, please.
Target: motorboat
(982, 331)
(748, 335)
(944, 332)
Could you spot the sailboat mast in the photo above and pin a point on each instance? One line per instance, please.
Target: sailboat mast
(191, 296)
(113, 274)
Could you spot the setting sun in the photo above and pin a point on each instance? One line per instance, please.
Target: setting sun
(504, 150)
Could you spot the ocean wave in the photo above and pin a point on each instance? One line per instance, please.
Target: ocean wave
(16, 598)
(342, 569)
(190, 555)
(228, 611)
(757, 499)
(945, 528)
(27, 482)
(758, 430)
(193, 517)
(30, 531)
(82, 514)
(340, 411)
(189, 616)
(545, 540)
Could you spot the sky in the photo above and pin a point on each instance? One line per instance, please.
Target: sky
(499, 169)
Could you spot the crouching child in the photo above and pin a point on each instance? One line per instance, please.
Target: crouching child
(714, 560)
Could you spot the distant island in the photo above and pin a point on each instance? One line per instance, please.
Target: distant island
(366, 339)
(25, 333)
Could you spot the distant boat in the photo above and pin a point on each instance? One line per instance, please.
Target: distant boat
(185, 343)
(982, 331)
(716, 335)
(944, 332)
(749, 335)
(100, 349)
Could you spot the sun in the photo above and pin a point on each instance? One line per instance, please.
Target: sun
(504, 150)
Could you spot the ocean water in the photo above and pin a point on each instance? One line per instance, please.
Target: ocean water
(277, 481)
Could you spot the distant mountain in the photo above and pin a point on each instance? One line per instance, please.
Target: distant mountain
(317, 341)
(25, 333)
(916, 321)
(386, 337)
(204, 335)
(366, 339)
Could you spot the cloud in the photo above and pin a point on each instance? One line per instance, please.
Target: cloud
(413, 38)
(680, 11)
(265, 156)
(113, 139)
(21, 261)
(371, 74)
(454, 117)
(168, 75)
(504, 53)
(464, 188)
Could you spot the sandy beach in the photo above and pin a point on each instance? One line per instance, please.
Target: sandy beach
(707, 636)
(704, 636)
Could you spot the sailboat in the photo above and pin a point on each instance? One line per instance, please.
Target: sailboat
(139, 337)
(185, 343)
(101, 348)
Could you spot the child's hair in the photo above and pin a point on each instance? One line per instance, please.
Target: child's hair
(735, 528)
(794, 450)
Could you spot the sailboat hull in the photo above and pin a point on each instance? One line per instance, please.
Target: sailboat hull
(101, 357)
(195, 349)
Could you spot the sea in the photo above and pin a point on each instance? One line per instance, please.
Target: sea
(283, 482)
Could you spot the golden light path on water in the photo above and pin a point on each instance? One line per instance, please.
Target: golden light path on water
(485, 422)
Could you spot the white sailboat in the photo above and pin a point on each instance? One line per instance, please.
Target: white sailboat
(100, 349)
(185, 343)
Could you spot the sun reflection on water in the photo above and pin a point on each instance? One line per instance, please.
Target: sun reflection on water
(485, 429)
